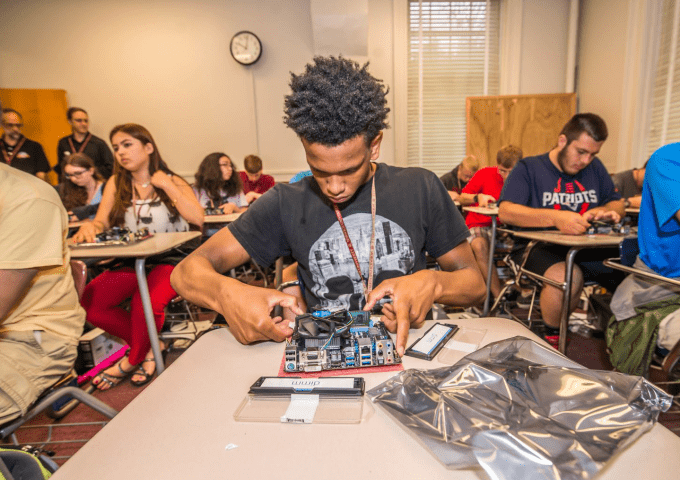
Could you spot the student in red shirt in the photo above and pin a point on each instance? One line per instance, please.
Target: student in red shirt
(483, 189)
(255, 183)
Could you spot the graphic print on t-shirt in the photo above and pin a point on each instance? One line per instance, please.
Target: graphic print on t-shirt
(336, 281)
(573, 200)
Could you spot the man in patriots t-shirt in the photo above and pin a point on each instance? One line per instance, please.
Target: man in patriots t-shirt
(564, 189)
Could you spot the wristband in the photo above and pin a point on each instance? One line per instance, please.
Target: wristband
(476, 198)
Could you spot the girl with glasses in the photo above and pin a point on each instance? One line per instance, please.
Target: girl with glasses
(218, 184)
(142, 192)
(81, 187)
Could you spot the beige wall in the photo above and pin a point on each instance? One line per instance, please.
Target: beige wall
(544, 46)
(601, 67)
(166, 65)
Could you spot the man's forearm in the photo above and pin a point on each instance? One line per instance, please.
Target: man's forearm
(197, 281)
(523, 216)
(461, 288)
(617, 206)
(15, 284)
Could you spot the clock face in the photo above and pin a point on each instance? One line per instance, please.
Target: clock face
(246, 48)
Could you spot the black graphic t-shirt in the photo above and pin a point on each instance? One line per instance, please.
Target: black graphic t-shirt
(535, 182)
(414, 215)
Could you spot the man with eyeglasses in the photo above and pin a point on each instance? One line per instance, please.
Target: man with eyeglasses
(18, 151)
(82, 141)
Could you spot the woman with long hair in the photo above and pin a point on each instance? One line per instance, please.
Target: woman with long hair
(142, 193)
(218, 184)
(81, 186)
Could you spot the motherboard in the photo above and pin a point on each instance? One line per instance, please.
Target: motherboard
(331, 340)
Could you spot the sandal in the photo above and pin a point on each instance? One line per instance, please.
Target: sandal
(143, 373)
(111, 380)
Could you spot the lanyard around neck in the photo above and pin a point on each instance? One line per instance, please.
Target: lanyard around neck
(9, 157)
(82, 147)
(371, 261)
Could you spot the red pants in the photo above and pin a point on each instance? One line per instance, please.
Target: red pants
(104, 294)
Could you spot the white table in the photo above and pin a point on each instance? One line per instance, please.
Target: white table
(493, 213)
(140, 251)
(575, 243)
(179, 426)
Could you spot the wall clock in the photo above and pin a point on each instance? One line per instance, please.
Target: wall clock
(245, 47)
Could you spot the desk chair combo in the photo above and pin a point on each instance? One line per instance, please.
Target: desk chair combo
(664, 370)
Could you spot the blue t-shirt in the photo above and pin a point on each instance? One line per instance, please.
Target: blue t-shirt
(658, 228)
(535, 182)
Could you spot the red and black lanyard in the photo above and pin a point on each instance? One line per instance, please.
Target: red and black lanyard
(371, 261)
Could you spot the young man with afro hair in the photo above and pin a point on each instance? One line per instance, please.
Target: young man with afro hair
(350, 215)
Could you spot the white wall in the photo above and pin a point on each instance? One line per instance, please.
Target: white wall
(544, 46)
(166, 65)
(601, 63)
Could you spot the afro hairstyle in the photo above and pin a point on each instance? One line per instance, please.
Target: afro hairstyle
(334, 100)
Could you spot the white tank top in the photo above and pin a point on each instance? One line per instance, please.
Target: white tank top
(154, 215)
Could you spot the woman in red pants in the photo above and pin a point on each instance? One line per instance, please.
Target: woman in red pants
(142, 193)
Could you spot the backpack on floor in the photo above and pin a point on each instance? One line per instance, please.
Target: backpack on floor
(25, 463)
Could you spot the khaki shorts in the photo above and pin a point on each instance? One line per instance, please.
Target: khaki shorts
(31, 363)
(480, 232)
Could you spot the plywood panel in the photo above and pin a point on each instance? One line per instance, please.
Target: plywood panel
(44, 113)
(532, 122)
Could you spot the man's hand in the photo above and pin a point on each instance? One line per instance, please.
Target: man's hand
(412, 297)
(252, 196)
(454, 195)
(609, 216)
(570, 223)
(250, 321)
(484, 200)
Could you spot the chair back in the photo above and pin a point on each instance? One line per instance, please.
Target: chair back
(79, 271)
(629, 250)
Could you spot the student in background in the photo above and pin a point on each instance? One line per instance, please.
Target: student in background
(629, 184)
(649, 310)
(255, 183)
(218, 184)
(17, 150)
(142, 193)
(565, 189)
(82, 141)
(40, 317)
(81, 187)
(456, 179)
(483, 189)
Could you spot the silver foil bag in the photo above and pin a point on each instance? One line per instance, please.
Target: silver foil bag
(522, 410)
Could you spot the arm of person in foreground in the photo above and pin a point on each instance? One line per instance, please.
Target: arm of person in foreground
(198, 278)
(15, 284)
(458, 283)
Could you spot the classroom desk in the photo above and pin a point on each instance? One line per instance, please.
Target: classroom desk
(575, 243)
(159, 243)
(179, 426)
(227, 218)
(493, 213)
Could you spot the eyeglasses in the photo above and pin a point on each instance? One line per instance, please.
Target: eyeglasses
(226, 165)
(12, 125)
(74, 174)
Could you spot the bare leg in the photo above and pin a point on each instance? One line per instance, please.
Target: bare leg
(480, 247)
(551, 297)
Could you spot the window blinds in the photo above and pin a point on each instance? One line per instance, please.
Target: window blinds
(665, 116)
(453, 54)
